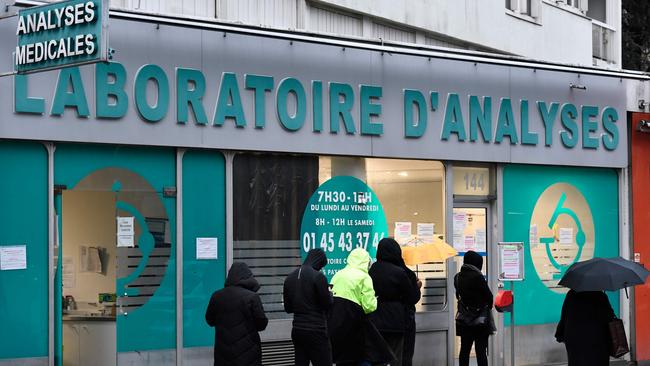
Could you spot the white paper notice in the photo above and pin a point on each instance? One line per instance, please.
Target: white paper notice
(125, 241)
(402, 232)
(481, 242)
(206, 248)
(425, 232)
(68, 277)
(510, 262)
(566, 235)
(533, 239)
(460, 221)
(13, 257)
(125, 226)
(470, 243)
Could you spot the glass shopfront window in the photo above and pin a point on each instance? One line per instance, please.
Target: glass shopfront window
(271, 193)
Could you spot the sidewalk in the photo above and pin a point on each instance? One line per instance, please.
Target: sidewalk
(472, 362)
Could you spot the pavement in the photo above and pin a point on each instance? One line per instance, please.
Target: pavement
(472, 362)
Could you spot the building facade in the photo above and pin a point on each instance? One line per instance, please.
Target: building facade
(222, 131)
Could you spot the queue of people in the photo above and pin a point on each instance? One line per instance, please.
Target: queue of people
(366, 316)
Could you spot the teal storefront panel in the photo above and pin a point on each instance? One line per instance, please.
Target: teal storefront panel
(23, 221)
(151, 325)
(204, 216)
(562, 215)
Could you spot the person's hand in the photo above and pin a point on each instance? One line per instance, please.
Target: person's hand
(419, 282)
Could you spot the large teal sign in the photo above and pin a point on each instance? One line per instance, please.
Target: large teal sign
(343, 214)
(61, 34)
(466, 120)
(562, 217)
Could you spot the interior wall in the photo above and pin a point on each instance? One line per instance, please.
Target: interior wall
(88, 219)
(417, 202)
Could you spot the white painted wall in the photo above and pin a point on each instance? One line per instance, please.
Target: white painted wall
(559, 33)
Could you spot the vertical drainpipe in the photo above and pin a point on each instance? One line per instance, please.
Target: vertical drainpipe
(625, 246)
(179, 256)
(49, 146)
(498, 340)
(229, 156)
(451, 263)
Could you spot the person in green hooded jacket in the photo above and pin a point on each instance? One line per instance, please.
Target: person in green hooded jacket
(354, 339)
(354, 283)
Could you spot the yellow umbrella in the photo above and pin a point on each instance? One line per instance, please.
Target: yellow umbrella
(434, 252)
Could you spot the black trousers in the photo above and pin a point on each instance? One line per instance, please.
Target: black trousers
(311, 346)
(480, 347)
(409, 344)
(396, 343)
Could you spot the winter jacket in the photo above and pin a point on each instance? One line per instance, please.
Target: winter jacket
(393, 287)
(306, 293)
(473, 290)
(583, 328)
(354, 338)
(237, 315)
(353, 282)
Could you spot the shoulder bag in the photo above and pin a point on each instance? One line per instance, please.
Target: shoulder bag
(618, 340)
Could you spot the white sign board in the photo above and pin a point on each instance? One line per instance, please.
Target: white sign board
(125, 231)
(13, 257)
(206, 248)
(403, 232)
(425, 232)
(511, 261)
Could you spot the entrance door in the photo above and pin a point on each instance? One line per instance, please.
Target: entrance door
(116, 260)
(470, 230)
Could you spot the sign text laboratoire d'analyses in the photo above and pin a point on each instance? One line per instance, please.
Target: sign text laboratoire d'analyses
(321, 106)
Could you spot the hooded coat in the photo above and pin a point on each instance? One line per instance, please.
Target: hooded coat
(237, 315)
(583, 328)
(395, 291)
(306, 293)
(353, 336)
(473, 290)
(353, 282)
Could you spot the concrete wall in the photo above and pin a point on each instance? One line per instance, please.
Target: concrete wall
(556, 32)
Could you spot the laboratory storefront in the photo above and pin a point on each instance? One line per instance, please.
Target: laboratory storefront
(136, 183)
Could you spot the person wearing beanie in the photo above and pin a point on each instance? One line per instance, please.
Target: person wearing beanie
(306, 294)
(472, 291)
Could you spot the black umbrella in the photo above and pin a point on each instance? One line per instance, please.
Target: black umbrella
(604, 274)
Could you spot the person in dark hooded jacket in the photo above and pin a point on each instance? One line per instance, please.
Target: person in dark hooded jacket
(306, 294)
(583, 328)
(472, 289)
(395, 294)
(409, 332)
(237, 315)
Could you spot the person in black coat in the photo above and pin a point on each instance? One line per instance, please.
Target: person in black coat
(409, 332)
(472, 290)
(306, 294)
(395, 294)
(583, 328)
(237, 315)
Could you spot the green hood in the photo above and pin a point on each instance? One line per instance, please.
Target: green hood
(359, 259)
(354, 283)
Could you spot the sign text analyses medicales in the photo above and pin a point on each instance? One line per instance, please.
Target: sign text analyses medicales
(59, 34)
